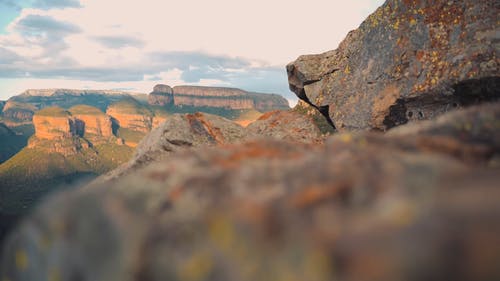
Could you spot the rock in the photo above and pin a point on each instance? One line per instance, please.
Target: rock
(16, 113)
(132, 115)
(53, 123)
(410, 60)
(215, 97)
(285, 125)
(162, 95)
(406, 205)
(176, 133)
(2, 104)
(95, 122)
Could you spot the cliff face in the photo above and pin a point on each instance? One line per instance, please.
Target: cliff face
(162, 95)
(410, 60)
(94, 121)
(53, 127)
(216, 97)
(136, 122)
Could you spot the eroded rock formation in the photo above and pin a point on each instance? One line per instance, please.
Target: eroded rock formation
(218, 97)
(53, 123)
(410, 60)
(131, 115)
(180, 132)
(93, 121)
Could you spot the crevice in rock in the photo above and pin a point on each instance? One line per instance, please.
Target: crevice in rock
(430, 105)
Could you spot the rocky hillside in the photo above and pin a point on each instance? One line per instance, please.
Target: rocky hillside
(410, 60)
(217, 97)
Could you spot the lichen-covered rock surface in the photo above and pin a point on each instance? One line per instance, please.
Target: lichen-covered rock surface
(410, 60)
(412, 204)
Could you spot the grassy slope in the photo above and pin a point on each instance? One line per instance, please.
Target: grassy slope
(35, 172)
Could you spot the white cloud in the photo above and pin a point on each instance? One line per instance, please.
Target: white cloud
(235, 40)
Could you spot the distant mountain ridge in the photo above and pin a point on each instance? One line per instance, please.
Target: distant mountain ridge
(61, 91)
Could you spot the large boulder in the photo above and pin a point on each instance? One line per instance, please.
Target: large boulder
(176, 133)
(409, 205)
(285, 125)
(409, 60)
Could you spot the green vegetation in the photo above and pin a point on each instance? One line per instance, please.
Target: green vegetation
(130, 135)
(53, 111)
(34, 172)
(83, 109)
(131, 106)
(250, 114)
(12, 140)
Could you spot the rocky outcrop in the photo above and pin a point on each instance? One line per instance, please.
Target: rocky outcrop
(162, 95)
(131, 115)
(176, 133)
(408, 205)
(94, 122)
(216, 97)
(410, 60)
(16, 112)
(285, 125)
(53, 123)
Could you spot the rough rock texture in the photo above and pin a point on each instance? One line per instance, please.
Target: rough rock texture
(218, 97)
(285, 125)
(410, 60)
(158, 120)
(176, 133)
(93, 122)
(162, 95)
(53, 127)
(137, 119)
(419, 203)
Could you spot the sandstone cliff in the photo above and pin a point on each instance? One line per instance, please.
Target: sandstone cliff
(132, 115)
(53, 123)
(217, 97)
(94, 121)
(162, 95)
(410, 60)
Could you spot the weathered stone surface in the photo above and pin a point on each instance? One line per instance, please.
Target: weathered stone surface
(131, 115)
(217, 97)
(407, 205)
(94, 121)
(410, 60)
(162, 95)
(53, 126)
(176, 133)
(285, 125)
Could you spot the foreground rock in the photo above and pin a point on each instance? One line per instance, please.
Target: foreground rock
(410, 60)
(409, 205)
(285, 125)
(176, 133)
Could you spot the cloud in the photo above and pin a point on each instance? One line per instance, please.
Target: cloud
(8, 57)
(56, 4)
(38, 25)
(117, 42)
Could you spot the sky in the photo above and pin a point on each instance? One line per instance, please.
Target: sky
(133, 45)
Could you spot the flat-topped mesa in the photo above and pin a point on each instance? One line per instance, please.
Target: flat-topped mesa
(218, 97)
(76, 92)
(409, 60)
